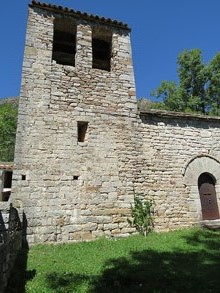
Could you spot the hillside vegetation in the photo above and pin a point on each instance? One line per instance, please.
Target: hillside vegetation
(8, 125)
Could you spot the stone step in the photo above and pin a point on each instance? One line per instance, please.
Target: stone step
(211, 224)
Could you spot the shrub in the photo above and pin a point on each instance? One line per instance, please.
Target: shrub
(142, 215)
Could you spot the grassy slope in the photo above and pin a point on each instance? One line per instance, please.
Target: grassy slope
(180, 261)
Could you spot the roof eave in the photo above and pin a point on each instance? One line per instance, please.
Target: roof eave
(79, 14)
(182, 115)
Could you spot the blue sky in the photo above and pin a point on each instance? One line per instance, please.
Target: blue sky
(161, 29)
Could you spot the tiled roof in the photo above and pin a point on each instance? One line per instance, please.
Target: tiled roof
(7, 166)
(173, 114)
(79, 14)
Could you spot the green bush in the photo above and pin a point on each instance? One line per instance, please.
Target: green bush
(142, 215)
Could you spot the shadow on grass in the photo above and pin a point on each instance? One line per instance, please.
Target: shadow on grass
(19, 275)
(196, 270)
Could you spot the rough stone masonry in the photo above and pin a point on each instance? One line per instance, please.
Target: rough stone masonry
(83, 150)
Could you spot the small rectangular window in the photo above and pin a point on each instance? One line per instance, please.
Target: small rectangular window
(64, 42)
(101, 49)
(82, 130)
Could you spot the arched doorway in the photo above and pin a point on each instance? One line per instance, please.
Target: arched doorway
(206, 186)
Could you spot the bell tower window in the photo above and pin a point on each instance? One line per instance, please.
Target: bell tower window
(101, 49)
(64, 41)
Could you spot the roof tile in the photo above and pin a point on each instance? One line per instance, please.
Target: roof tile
(84, 15)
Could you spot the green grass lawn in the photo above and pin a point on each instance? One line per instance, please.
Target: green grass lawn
(180, 261)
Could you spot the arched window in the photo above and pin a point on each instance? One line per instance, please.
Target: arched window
(206, 186)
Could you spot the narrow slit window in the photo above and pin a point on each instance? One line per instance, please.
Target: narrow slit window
(101, 49)
(64, 42)
(82, 130)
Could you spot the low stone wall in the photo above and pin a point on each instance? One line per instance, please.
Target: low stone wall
(10, 241)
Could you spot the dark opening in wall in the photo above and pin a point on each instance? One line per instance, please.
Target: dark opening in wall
(64, 41)
(7, 183)
(75, 177)
(7, 179)
(23, 177)
(82, 127)
(101, 49)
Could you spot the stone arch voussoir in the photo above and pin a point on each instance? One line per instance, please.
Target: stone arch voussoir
(191, 173)
(198, 165)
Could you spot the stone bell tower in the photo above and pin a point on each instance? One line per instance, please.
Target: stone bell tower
(75, 146)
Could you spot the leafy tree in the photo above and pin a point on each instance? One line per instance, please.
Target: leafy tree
(169, 92)
(213, 90)
(193, 76)
(198, 89)
(8, 125)
(144, 104)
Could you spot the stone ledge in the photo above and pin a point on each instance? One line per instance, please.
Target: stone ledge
(211, 224)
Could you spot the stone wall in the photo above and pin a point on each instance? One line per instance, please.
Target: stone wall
(72, 190)
(10, 241)
(176, 149)
(75, 189)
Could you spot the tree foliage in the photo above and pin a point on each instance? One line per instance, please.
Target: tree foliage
(198, 89)
(144, 104)
(8, 125)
